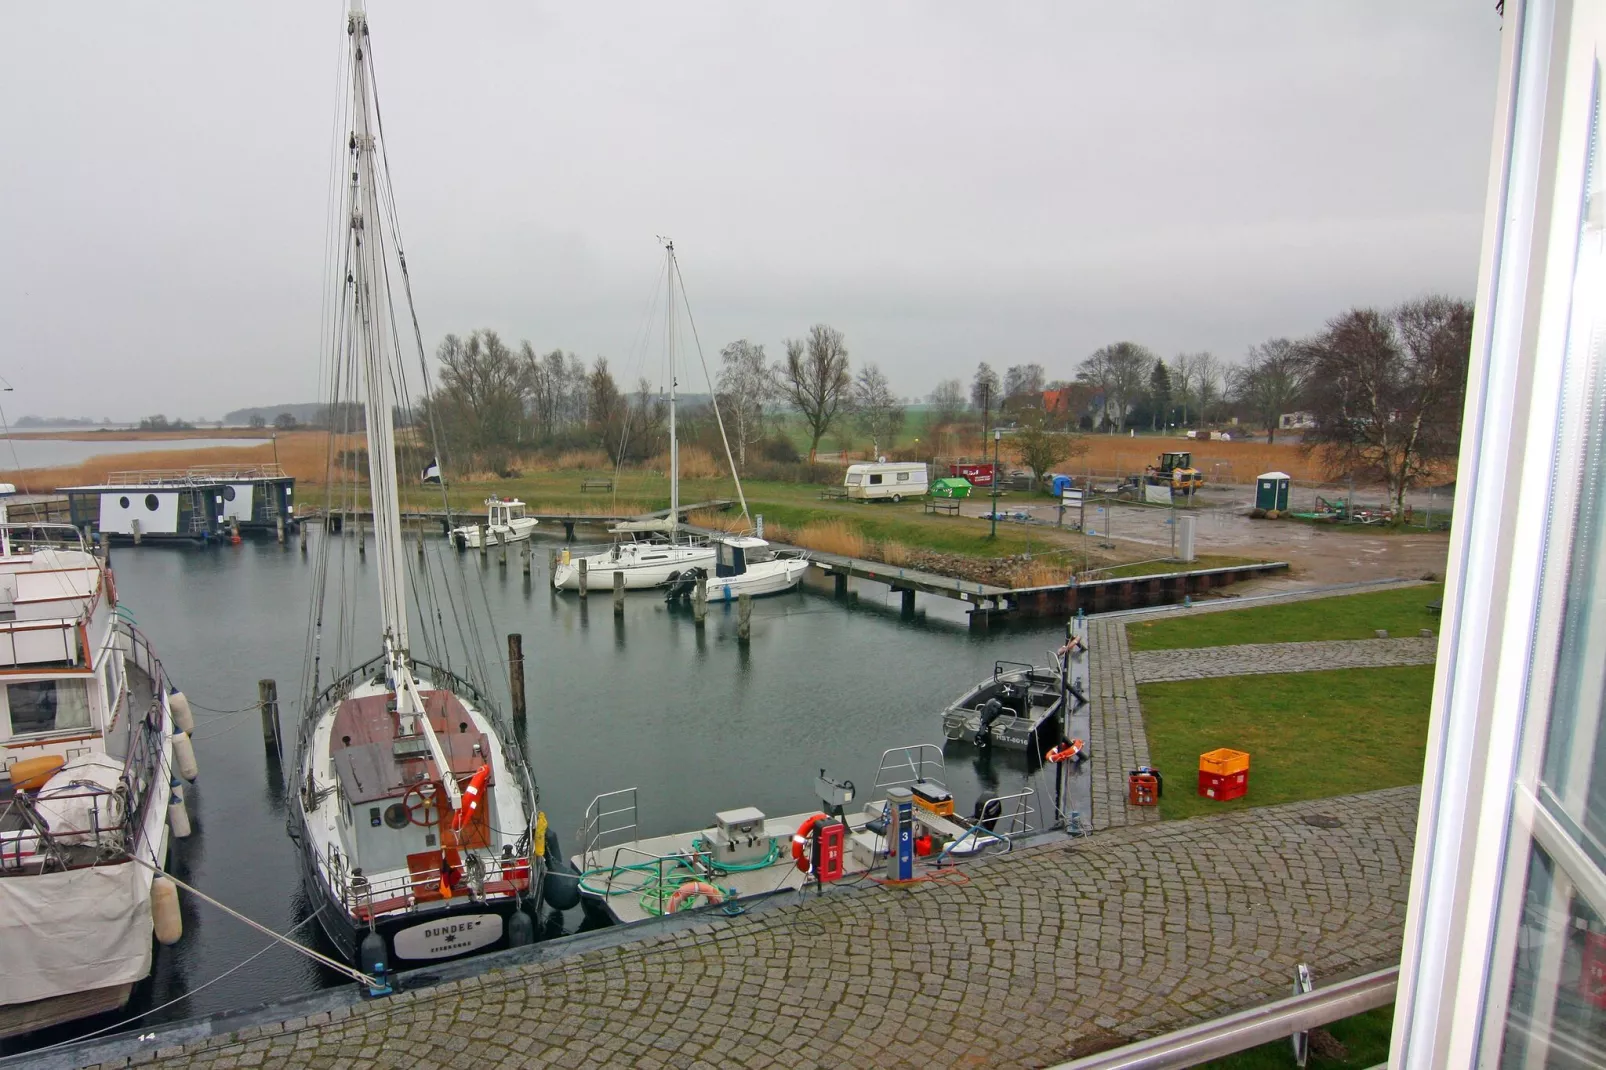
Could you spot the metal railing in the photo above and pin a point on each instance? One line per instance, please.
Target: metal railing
(1247, 1029)
(920, 760)
(608, 816)
(201, 473)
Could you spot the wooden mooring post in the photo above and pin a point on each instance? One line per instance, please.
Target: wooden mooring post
(618, 594)
(699, 601)
(485, 541)
(279, 526)
(268, 705)
(744, 617)
(515, 678)
(133, 526)
(302, 529)
(527, 558)
(582, 579)
(501, 543)
(362, 538)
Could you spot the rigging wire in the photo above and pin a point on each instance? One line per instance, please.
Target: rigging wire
(714, 394)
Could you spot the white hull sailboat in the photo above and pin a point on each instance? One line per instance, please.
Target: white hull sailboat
(414, 809)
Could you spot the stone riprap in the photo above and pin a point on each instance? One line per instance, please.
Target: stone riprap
(1249, 659)
(1028, 959)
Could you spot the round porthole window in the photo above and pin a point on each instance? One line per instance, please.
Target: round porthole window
(150, 502)
(228, 494)
(123, 501)
(396, 816)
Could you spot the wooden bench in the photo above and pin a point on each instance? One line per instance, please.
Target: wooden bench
(603, 485)
(834, 493)
(943, 505)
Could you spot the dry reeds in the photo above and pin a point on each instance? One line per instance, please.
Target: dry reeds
(717, 520)
(1040, 572)
(832, 537)
(894, 553)
(695, 463)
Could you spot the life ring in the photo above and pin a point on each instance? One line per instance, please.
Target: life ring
(800, 841)
(111, 588)
(1071, 750)
(691, 888)
(473, 795)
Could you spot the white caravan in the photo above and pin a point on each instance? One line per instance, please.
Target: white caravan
(896, 480)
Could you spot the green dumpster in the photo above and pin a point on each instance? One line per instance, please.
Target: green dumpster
(1271, 492)
(950, 487)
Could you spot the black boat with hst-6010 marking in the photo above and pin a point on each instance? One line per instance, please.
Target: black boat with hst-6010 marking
(1017, 707)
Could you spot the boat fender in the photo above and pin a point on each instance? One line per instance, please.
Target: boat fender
(184, 756)
(987, 811)
(520, 929)
(371, 960)
(694, 888)
(165, 916)
(179, 706)
(178, 817)
(801, 856)
(560, 888)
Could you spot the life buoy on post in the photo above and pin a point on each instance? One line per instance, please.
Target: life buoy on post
(691, 888)
(472, 796)
(800, 841)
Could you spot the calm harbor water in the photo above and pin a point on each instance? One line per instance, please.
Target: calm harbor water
(56, 452)
(692, 720)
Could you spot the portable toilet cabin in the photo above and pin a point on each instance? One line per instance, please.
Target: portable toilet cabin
(1058, 485)
(950, 487)
(1271, 492)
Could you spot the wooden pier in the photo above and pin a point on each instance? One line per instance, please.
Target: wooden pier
(569, 520)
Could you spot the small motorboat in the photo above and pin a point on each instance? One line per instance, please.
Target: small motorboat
(1016, 707)
(744, 564)
(505, 521)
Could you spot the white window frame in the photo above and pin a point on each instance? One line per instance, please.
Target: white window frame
(1477, 820)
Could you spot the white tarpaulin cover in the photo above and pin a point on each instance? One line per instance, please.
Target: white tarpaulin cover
(81, 797)
(656, 524)
(62, 933)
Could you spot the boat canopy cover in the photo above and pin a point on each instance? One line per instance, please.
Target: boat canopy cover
(662, 523)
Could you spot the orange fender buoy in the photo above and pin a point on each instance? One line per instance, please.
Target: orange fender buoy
(800, 841)
(691, 888)
(471, 798)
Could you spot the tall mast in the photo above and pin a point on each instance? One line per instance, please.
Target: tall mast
(372, 342)
(674, 448)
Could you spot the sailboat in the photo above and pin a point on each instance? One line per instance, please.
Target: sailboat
(415, 810)
(651, 552)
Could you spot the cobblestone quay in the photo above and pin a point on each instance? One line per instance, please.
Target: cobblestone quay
(1051, 952)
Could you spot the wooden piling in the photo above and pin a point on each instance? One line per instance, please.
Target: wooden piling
(279, 525)
(501, 540)
(515, 677)
(133, 526)
(302, 528)
(362, 538)
(485, 541)
(527, 559)
(744, 617)
(840, 584)
(421, 540)
(908, 606)
(699, 600)
(582, 579)
(268, 705)
(618, 594)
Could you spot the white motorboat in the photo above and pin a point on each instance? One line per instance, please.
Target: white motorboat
(413, 805)
(92, 739)
(745, 564)
(506, 520)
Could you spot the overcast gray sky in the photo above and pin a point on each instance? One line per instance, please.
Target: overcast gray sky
(944, 182)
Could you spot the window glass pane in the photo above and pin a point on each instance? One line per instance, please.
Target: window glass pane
(48, 706)
(1557, 1013)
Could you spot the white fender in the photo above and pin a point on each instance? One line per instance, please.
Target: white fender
(178, 817)
(179, 706)
(165, 916)
(184, 757)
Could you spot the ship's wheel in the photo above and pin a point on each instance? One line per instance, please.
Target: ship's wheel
(422, 809)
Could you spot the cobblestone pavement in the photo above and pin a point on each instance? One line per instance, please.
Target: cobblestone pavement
(1153, 666)
(1048, 953)
(1116, 739)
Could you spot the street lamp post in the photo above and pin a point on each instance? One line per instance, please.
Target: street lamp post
(997, 434)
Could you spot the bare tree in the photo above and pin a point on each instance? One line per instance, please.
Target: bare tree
(480, 394)
(1023, 380)
(876, 407)
(1185, 382)
(1209, 378)
(984, 387)
(1040, 449)
(946, 402)
(746, 383)
(1121, 373)
(1270, 382)
(815, 380)
(1388, 389)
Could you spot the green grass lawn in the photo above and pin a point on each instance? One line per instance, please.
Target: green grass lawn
(1309, 735)
(1365, 1036)
(1357, 616)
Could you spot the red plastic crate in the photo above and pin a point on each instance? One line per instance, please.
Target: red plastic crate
(1221, 788)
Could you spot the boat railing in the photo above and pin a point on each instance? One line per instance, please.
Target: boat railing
(610, 819)
(201, 473)
(350, 678)
(905, 765)
(1012, 816)
(662, 865)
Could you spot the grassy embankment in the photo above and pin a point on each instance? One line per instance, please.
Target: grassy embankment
(1309, 735)
(1402, 611)
(1361, 1042)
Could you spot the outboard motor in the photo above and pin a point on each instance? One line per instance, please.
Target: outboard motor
(681, 585)
(991, 711)
(987, 811)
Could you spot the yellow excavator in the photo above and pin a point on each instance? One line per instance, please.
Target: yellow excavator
(1175, 470)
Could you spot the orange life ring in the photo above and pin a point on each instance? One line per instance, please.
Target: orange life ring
(471, 798)
(1071, 750)
(691, 888)
(111, 589)
(800, 841)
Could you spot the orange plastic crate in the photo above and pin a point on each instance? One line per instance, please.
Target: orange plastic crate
(1224, 762)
